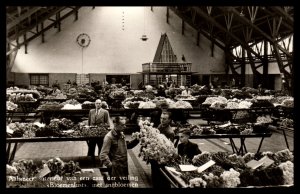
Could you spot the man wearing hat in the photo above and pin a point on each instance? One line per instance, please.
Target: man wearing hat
(186, 147)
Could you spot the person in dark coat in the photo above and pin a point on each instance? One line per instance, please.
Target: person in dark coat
(97, 117)
(186, 147)
(161, 91)
(114, 154)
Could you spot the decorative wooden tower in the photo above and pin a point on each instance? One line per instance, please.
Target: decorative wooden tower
(165, 67)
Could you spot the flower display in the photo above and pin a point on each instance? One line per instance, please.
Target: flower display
(117, 93)
(25, 168)
(284, 155)
(154, 145)
(246, 131)
(213, 181)
(133, 102)
(11, 106)
(50, 105)
(288, 172)
(148, 88)
(196, 130)
(197, 182)
(71, 107)
(146, 105)
(210, 100)
(11, 170)
(162, 102)
(288, 102)
(180, 105)
(286, 122)
(264, 119)
(245, 104)
(218, 104)
(56, 96)
(26, 130)
(230, 170)
(248, 156)
(231, 178)
(232, 105)
(269, 98)
(16, 96)
(202, 158)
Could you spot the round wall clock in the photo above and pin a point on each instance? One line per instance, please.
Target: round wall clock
(83, 40)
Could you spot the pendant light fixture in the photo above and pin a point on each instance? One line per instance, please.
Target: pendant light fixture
(144, 36)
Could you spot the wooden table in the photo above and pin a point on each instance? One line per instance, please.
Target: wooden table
(9, 141)
(225, 114)
(238, 150)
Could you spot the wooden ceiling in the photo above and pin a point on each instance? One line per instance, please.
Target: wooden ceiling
(236, 25)
(228, 26)
(25, 23)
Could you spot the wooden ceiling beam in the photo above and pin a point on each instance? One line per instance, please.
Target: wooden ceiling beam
(283, 13)
(41, 32)
(269, 38)
(198, 28)
(22, 17)
(41, 19)
(218, 25)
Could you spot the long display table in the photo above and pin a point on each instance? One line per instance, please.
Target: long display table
(238, 150)
(10, 155)
(176, 181)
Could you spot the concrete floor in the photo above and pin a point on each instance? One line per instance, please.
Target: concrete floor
(137, 168)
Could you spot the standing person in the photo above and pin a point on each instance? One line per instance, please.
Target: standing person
(114, 153)
(158, 180)
(261, 91)
(186, 91)
(232, 84)
(55, 90)
(186, 148)
(56, 84)
(74, 83)
(123, 82)
(97, 117)
(165, 127)
(161, 91)
(218, 90)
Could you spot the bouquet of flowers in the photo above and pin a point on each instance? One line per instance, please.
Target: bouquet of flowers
(154, 145)
(181, 105)
(11, 106)
(211, 100)
(288, 172)
(231, 178)
(117, 93)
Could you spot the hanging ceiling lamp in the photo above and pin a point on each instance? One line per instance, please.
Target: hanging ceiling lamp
(144, 36)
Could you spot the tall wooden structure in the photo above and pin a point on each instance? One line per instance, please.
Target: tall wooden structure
(165, 67)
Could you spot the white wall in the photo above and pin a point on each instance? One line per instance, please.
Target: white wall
(113, 50)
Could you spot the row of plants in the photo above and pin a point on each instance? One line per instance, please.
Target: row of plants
(56, 128)
(229, 170)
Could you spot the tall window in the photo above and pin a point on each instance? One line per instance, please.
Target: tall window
(39, 79)
(117, 79)
(82, 79)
